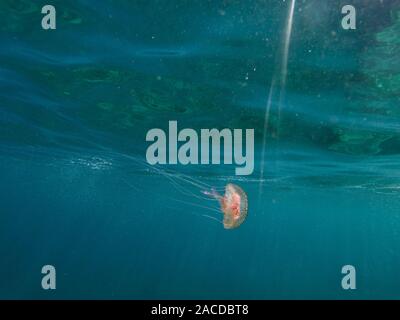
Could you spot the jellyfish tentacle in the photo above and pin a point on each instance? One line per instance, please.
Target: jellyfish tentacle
(196, 205)
(212, 218)
(213, 194)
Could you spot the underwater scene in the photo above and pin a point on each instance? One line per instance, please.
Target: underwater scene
(306, 205)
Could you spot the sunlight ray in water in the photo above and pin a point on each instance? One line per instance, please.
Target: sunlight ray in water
(284, 62)
(282, 76)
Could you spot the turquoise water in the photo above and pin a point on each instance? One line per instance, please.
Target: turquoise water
(76, 104)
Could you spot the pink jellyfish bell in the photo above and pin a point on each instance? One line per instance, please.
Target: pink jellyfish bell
(233, 205)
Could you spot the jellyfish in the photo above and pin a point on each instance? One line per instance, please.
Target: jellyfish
(233, 205)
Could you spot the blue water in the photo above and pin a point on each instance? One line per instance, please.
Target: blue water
(76, 193)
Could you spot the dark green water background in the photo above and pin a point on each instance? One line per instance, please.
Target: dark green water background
(75, 107)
